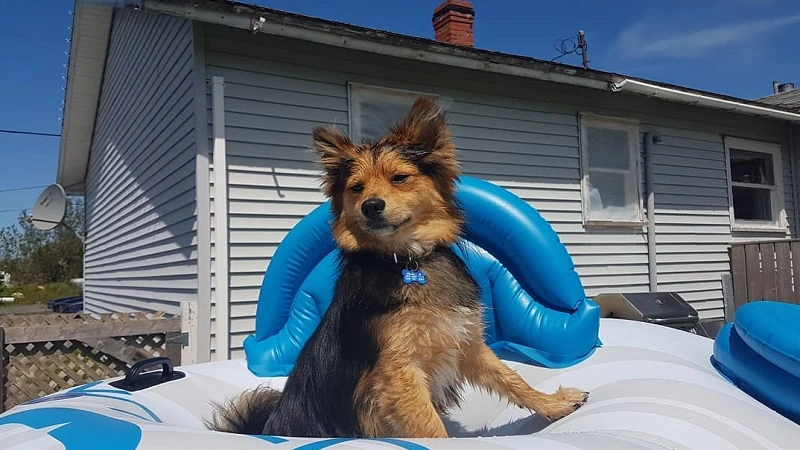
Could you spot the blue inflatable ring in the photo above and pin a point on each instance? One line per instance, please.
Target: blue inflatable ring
(535, 305)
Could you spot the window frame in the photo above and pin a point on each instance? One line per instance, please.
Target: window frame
(355, 86)
(780, 222)
(587, 120)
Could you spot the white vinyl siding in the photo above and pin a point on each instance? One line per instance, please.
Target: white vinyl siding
(692, 222)
(140, 196)
(520, 134)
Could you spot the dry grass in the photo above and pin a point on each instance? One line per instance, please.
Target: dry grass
(32, 293)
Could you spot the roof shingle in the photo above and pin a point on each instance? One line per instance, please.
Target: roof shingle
(790, 99)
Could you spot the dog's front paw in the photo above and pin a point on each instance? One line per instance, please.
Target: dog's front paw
(563, 402)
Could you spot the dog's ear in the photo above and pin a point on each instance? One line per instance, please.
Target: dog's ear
(336, 153)
(423, 126)
(424, 138)
(332, 147)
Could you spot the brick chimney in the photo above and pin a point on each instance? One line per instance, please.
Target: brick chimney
(452, 22)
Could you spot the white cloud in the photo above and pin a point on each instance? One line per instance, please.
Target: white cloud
(645, 40)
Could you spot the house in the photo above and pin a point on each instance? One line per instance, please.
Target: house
(187, 129)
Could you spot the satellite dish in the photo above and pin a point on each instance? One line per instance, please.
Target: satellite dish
(50, 208)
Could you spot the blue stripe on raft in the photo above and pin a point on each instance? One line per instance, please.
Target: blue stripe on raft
(83, 391)
(404, 444)
(322, 444)
(331, 442)
(270, 439)
(129, 413)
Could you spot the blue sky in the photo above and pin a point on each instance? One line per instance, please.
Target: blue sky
(733, 47)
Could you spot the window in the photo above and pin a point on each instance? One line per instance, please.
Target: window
(610, 183)
(374, 109)
(756, 188)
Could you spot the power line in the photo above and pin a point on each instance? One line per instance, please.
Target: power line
(22, 189)
(12, 209)
(29, 133)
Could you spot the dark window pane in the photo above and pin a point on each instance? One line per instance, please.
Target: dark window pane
(751, 167)
(378, 114)
(610, 197)
(608, 149)
(752, 204)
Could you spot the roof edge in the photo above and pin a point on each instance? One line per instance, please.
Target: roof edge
(280, 23)
(704, 100)
(81, 100)
(322, 31)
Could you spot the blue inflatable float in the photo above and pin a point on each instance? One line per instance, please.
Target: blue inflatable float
(513, 253)
(760, 352)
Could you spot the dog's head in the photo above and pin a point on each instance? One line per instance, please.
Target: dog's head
(395, 195)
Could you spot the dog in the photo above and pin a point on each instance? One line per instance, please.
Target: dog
(404, 331)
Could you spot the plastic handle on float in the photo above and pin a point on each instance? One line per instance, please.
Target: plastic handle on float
(137, 379)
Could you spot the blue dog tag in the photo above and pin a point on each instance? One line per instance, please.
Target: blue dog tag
(414, 276)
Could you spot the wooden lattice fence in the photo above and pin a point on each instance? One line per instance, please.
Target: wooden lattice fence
(45, 353)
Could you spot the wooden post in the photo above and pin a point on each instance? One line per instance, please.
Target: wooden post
(3, 375)
(755, 291)
(739, 273)
(172, 346)
(769, 275)
(727, 296)
(796, 270)
(783, 264)
(189, 325)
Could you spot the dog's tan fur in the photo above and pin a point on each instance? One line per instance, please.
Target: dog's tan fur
(428, 349)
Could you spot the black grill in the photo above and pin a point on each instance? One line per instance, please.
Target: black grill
(660, 308)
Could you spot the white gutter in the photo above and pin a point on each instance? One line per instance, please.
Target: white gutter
(261, 25)
(675, 95)
(221, 291)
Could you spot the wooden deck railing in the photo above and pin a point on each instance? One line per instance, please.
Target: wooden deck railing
(765, 271)
(44, 353)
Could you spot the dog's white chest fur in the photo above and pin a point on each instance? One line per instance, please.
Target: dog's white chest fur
(446, 375)
(445, 370)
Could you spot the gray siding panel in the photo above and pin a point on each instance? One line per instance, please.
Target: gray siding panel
(140, 198)
(519, 134)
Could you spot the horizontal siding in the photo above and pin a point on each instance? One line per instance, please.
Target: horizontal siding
(519, 134)
(690, 184)
(141, 246)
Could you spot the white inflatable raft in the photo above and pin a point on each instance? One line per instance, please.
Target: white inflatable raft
(651, 388)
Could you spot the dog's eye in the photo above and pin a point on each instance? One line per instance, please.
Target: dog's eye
(357, 187)
(397, 179)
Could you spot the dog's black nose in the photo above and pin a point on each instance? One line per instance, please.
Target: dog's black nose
(372, 208)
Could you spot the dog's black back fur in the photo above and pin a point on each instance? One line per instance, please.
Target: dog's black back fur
(317, 400)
